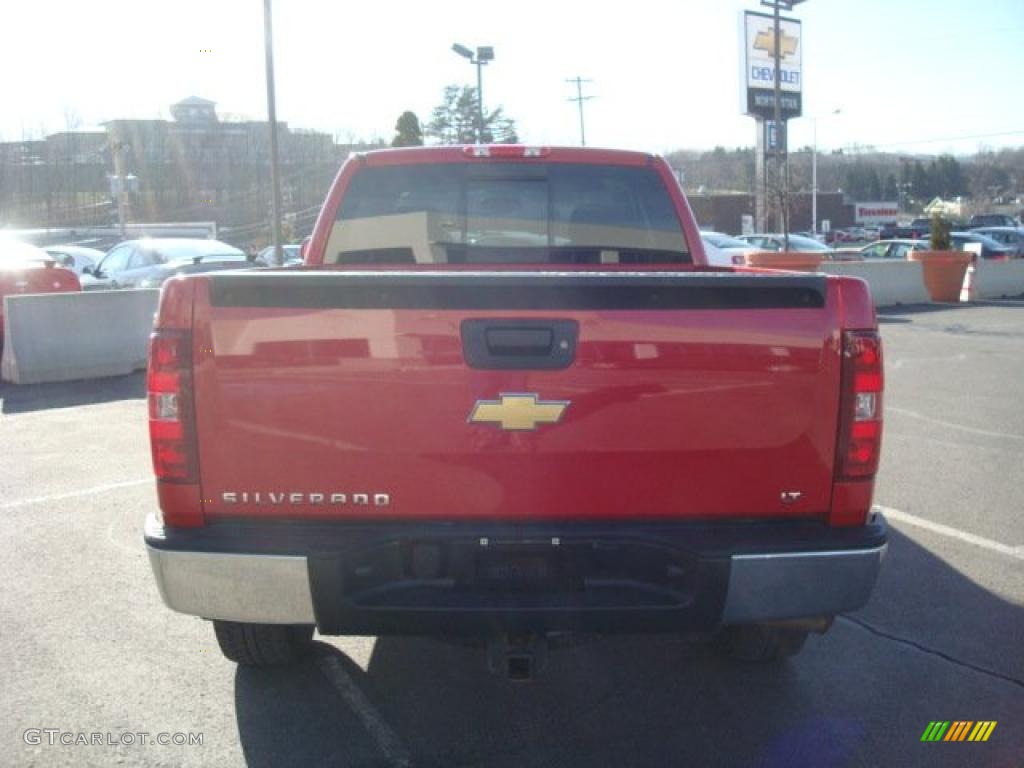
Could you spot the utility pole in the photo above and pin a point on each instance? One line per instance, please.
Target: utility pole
(579, 99)
(275, 170)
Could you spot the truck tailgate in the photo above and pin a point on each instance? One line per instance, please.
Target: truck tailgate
(515, 395)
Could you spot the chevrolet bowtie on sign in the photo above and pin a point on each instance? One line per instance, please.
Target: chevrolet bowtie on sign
(518, 413)
(958, 730)
(764, 41)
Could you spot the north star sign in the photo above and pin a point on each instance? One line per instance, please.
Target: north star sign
(758, 62)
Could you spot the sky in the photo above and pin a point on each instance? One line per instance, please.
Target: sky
(906, 75)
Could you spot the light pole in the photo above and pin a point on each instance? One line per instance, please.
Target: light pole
(118, 187)
(814, 172)
(484, 54)
(275, 171)
(122, 185)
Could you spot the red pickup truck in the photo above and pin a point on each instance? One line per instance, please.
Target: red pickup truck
(505, 398)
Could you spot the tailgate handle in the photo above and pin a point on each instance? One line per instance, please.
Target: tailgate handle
(523, 342)
(517, 344)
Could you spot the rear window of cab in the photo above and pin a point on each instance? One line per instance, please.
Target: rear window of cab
(493, 213)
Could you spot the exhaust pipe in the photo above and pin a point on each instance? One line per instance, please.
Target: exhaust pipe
(518, 658)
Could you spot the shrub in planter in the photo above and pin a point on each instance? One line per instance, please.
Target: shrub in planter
(944, 269)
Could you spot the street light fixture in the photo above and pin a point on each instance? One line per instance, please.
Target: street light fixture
(484, 54)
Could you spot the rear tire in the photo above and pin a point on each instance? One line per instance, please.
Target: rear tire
(760, 643)
(263, 645)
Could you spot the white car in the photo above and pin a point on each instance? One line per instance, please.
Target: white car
(292, 255)
(148, 262)
(723, 250)
(75, 257)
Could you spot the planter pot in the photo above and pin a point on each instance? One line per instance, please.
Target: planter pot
(790, 260)
(944, 272)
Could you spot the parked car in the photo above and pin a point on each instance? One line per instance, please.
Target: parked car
(514, 450)
(24, 269)
(853, 235)
(992, 220)
(990, 249)
(904, 231)
(147, 263)
(920, 227)
(724, 250)
(774, 242)
(891, 249)
(890, 231)
(1011, 237)
(292, 253)
(75, 257)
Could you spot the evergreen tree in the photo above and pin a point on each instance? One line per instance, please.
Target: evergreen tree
(889, 190)
(453, 121)
(947, 176)
(874, 185)
(920, 182)
(407, 131)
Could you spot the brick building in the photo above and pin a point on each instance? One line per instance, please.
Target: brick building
(194, 166)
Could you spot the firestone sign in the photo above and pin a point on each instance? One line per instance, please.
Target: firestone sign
(758, 61)
(876, 213)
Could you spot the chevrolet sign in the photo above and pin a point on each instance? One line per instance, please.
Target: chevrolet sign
(757, 38)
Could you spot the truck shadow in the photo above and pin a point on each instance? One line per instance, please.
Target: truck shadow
(851, 697)
(26, 398)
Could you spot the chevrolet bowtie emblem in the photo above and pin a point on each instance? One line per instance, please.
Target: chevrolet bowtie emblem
(518, 413)
(765, 42)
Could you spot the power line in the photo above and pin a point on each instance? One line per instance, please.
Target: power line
(971, 137)
(579, 99)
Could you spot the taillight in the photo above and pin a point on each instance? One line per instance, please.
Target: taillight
(860, 432)
(505, 150)
(171, 423)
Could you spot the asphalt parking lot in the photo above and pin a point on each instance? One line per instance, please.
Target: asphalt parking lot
(88, 646)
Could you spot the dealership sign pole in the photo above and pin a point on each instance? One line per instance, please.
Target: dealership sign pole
(771, 93)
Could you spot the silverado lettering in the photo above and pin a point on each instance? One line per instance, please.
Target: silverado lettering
(590, 430)
(243, 497)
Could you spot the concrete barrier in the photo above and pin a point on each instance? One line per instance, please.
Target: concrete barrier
(998, 279)
(67, 336)
(892, 282)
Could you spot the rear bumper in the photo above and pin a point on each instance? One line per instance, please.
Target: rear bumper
(436, 578)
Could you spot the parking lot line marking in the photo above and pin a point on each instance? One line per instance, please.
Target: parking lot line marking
(953, 533)
(898, 364)
(74, 494)
(387, 740)
(952, 425)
